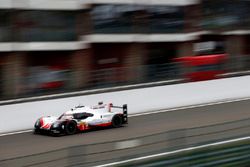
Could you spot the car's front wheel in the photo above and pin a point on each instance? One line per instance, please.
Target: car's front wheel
(70, 127)
(36, 131)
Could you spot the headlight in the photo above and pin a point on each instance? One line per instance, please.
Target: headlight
(56, 125)
(37, 122)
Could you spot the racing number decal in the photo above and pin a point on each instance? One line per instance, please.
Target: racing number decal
(83, 126)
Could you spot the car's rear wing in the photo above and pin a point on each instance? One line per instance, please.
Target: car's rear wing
(124, 108)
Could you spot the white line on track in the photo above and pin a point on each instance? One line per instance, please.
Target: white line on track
(174, 152)
(14, 133)
(190, 106)
(155, 112)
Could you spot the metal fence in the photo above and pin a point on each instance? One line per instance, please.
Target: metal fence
(235, 66)
(113, 77)
(134, 75)
(113, 151)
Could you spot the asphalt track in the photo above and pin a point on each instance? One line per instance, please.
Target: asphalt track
(17, 145)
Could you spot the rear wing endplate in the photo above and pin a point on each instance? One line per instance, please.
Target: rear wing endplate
(125, 112)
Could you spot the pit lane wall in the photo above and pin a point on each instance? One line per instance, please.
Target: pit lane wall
(21, 116)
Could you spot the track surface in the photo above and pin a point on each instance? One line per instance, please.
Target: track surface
(27, 143)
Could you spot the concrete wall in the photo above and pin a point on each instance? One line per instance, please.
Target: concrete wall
(23, 115)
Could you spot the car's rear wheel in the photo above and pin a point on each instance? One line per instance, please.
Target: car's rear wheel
(70, 128)
(116, 121)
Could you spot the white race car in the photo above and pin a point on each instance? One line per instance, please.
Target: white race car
(83, 118)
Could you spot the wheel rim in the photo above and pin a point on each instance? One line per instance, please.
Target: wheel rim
(71, 128)
(117, 121)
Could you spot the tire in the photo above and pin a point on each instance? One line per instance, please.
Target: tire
(70, 128)
(36, 131)
(116, 121)
(37, 127)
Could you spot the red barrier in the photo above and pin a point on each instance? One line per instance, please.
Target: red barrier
(203, 67)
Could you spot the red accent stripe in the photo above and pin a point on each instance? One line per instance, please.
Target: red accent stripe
(41, 122)
(87, 127)
(47, 126)
(105, 124)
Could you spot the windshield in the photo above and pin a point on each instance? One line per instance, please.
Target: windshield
(82, 115)
(66, 116)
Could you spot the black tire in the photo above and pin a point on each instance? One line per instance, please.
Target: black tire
(37, 127)
(116, 121)
(70, 128)
(36, 131)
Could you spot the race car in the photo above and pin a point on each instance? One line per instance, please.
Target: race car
(82, 118)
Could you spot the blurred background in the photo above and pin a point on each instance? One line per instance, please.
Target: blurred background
(49, 47)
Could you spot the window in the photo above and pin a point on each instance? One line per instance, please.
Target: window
(83, 115)
(226, 14)
(47, 26)
(113, 18)
(5, 26)
(166, 19)
(137, 19)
